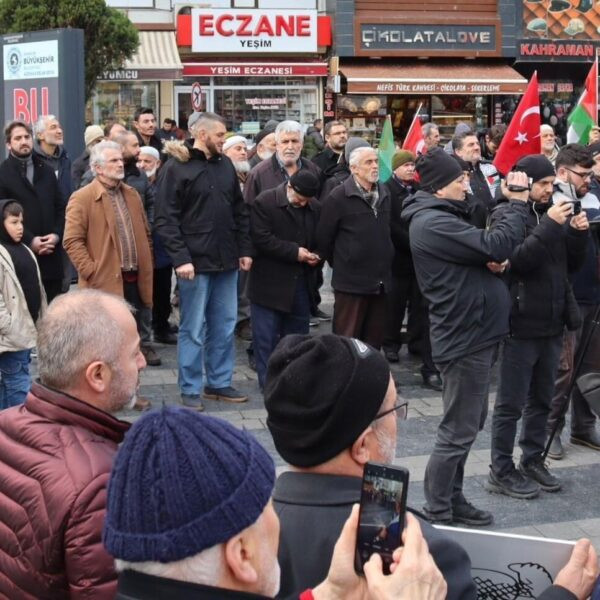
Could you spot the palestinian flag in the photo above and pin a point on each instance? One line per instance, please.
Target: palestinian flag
(585, 115)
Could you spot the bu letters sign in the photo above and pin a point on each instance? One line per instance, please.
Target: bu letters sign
(238, 30)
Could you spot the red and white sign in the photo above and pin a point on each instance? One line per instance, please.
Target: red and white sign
(252, 31)
(196, 96)
(255, 69)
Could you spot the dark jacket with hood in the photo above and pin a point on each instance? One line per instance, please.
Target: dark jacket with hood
(338, 174)
(80, 165)
(468, 306)
(356, 240)
(43, 207)
(60, 163)
(327, 160)
(539, 266)
(200, 212)
(586, 281)
(278, 230)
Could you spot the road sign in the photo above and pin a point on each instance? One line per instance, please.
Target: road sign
(196, 96)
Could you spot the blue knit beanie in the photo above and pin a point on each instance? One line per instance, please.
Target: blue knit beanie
(183, 482)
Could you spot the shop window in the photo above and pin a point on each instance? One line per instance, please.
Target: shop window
(448, 111)
(118, 100)
(363, 114)
(248, 109)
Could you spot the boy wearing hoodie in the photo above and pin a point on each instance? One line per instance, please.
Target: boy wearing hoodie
(22, 302)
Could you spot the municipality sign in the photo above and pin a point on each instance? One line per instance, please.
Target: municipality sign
(32, 60)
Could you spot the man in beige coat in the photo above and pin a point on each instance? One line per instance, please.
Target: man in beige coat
(108, 239)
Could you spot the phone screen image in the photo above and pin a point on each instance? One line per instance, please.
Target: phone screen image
(382, 511)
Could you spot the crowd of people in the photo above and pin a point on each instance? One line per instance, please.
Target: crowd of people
(482, 266)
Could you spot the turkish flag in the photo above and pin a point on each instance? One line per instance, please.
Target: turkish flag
(414, 140)
(523, 134)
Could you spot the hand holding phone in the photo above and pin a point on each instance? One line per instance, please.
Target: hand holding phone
(382, 512)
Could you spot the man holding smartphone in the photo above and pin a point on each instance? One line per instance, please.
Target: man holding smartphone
(468, 309)
(537, 276)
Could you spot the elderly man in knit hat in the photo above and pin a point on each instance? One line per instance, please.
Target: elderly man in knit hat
(235, 147)
(468, 313)
(208, 529)
(264, 145)
(344, 391)
(283, 224)
(538, 272)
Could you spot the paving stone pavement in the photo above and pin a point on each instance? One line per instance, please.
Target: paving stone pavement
(570, 513)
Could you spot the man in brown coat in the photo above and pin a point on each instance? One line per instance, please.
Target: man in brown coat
(57, 450)
(108, 239)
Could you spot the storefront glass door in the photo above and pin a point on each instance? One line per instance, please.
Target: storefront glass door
(183, 103)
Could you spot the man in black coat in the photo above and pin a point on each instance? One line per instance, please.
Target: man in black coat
(354, 236)
(144, 122)
(282, 165)
(344, 391)
(25, 177)
(203, 222)
(468, 313)
(538, 279)
(283, 223)
(336, 136)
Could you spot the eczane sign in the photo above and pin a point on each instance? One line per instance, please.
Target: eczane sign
(241, 31)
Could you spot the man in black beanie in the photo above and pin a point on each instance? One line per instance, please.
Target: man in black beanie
(282, 284)
(538, 268)
(332, 407)
(468, 310)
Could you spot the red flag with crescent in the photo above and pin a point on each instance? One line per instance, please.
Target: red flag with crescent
(523, 134)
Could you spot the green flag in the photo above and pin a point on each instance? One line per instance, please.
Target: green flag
(387, 149)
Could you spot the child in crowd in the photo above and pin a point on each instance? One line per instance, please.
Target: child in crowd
(22, 302)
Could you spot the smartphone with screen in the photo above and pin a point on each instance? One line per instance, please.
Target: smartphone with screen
(382, 513)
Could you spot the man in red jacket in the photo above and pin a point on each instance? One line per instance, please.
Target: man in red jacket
(56, 450)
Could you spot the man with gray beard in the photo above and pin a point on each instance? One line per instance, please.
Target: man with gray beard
(344, 390)
(235, 147)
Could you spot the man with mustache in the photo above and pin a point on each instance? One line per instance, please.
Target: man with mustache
(26, 178)
(354, 236)
(56, 450)
(107, 236)
(282, 165)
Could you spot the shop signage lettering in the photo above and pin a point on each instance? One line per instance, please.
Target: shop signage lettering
(557, 50)
(25, 104)
(404, 36)
(235, 30)
(119, 75)
(438, 88)
(254, 70)
(31, 60)
(265, 103)
(258, 70)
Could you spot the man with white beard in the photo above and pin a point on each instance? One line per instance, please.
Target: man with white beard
(235, 147)
(208, 529)
(347, 398)
(354, 236)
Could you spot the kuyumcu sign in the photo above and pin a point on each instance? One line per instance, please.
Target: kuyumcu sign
(239, 30)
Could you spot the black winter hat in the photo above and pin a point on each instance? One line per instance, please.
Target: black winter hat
(305, 183)
(594, 148)
(536, 166)
(263, 133)
(437, 169)
(321, 393)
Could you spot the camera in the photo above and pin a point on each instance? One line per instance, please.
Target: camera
(519, 188)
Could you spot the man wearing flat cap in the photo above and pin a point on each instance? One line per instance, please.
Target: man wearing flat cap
(282, 284)
(537, 271)
(346, 396)
(468, 314)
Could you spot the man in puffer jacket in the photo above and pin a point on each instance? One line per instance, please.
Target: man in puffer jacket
(57, 449)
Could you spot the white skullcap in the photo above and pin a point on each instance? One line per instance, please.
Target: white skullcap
(233, 140)
(151, 151)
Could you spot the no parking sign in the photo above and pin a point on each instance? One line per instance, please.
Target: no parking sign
(196, 97)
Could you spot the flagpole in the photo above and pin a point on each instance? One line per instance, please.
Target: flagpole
(416, 116)
(596, 84)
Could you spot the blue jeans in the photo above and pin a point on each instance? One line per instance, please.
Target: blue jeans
(208, 307)
(269, 326)
(14, 377)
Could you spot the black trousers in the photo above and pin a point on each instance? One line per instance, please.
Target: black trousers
(161, 299)
(403, 295)
(52, 287)
(527, 373)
